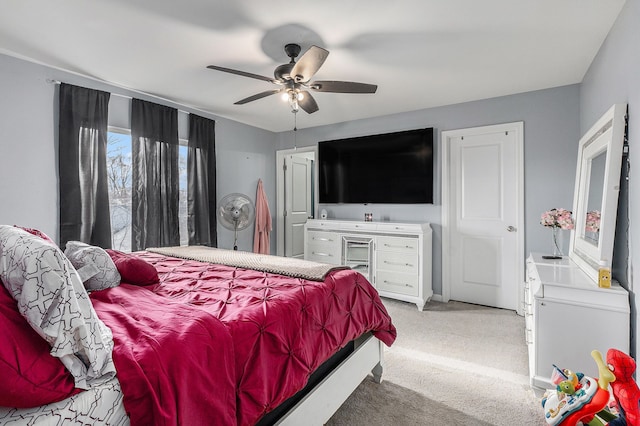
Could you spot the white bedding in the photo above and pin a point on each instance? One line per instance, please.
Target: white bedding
(100, 405)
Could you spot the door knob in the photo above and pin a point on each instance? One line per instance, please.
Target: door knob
(511, 228)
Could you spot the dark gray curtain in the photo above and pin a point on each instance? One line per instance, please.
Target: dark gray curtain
(201, 178)
(82, 166)
(155, 188)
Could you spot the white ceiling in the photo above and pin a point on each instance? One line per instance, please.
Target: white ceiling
(420, 53)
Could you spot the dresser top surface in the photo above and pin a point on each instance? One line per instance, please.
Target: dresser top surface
(539, 259)
(362, 222)
(565, 273)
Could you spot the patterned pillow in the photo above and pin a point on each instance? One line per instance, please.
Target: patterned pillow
(54, 302)
(103, 272)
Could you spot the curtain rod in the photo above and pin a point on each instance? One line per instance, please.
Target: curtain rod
(57, 82)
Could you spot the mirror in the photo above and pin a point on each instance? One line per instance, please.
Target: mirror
(591, 228)
(595, 202)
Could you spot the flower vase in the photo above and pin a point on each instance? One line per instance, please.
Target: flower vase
(556, 241)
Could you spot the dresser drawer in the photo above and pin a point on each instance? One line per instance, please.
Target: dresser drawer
(320, 239)
(397, 282)
(398, 227)
(360, 226)
(398, 244)
(533, 284)
(322, 224)
(323, 247)
(397, 261)
(323, 257)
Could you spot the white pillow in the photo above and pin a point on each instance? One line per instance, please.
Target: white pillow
(94, 265)
(52, 298)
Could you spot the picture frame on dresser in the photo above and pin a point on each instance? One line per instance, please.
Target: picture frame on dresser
(597, 186)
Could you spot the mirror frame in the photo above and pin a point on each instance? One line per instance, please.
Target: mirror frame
(606, 135)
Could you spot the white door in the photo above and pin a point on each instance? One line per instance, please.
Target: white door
(298, 188)
(483, 192)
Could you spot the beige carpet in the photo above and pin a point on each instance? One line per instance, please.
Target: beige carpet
(452, 364)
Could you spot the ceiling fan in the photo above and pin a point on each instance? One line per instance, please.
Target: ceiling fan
(295, 79)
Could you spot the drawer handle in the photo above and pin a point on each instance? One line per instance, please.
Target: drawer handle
(321, 254)
(322, 239)
(397, 246)
(397, 263)
(398, 284)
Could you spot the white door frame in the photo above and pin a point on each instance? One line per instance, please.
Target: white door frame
(280, 155)
(446, 136)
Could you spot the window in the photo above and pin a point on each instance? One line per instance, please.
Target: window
(182, 206)
(119, 176)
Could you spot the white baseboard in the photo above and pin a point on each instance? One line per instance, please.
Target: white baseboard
(437, 298)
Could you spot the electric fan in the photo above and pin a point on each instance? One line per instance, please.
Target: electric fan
(236, 212)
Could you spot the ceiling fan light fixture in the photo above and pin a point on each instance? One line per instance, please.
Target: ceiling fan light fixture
(294, 78)
(293, 96)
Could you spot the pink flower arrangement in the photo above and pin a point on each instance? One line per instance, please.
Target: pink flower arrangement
(593, 221)
(557, 218)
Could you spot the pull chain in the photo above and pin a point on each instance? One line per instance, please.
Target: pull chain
(295, 129)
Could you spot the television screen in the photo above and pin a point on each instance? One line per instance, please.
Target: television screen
(391, 168)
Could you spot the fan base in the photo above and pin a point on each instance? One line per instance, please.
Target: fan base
(292, 50)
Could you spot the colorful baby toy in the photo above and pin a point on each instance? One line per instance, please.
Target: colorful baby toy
(577, 398)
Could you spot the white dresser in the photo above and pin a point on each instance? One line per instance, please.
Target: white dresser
(567, 316)
(394, 257)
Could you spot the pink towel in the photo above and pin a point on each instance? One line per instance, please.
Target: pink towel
(261, 242)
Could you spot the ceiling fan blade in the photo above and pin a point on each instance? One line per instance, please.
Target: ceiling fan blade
(258, 96)
(242, 73)
(307, 103)
(343, 87)
(309, 64)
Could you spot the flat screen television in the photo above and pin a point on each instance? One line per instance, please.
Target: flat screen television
(390, 168)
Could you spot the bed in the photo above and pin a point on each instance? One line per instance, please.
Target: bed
(202, 336)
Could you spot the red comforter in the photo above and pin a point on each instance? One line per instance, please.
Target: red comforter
(172, 360)
(217, 331)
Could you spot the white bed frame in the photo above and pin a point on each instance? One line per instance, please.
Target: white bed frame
(323, 401)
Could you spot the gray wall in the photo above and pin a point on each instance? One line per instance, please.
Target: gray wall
(614, 77)
(28, 148)
(28, 152)
(551, 125)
